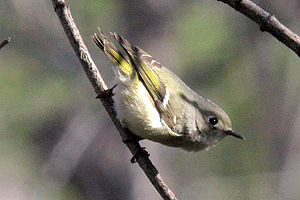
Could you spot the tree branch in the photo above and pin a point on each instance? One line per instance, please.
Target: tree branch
(267, 22)
(69, 26)
(5, 42)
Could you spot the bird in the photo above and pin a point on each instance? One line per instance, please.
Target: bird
(155, 104)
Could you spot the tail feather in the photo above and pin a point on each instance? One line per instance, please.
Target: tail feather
(113, 53)
(98, 41)
(129, 48)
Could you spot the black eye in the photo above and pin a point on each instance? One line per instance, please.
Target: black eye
(213, 120)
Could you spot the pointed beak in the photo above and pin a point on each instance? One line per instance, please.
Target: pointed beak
(234, 134)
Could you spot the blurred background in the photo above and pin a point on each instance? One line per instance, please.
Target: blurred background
(57, 141)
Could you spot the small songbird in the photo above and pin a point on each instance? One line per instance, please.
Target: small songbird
(154, 104)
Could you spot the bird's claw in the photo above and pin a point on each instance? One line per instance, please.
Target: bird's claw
(106, 93)
(141, 152)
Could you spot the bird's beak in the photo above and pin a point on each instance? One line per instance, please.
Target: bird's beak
(234, 134)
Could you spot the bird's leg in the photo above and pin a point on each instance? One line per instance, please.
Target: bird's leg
(106, 93)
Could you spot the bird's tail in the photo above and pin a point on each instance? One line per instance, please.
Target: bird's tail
(114, 54)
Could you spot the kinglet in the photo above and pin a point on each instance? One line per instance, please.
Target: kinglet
(155, 104)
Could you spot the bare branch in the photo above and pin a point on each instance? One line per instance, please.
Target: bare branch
(69, 26)
(267, 22)
(5, 42)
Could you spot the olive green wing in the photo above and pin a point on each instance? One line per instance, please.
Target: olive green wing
(147, 69)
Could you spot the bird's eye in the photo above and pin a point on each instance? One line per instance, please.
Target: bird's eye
(213, 120)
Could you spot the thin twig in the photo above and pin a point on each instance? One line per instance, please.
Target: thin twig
(267, 22)
(100, 88)
(5, 42)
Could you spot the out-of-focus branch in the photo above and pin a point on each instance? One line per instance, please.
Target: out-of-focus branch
(267, 22)
(4, 42)
(69, 26)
